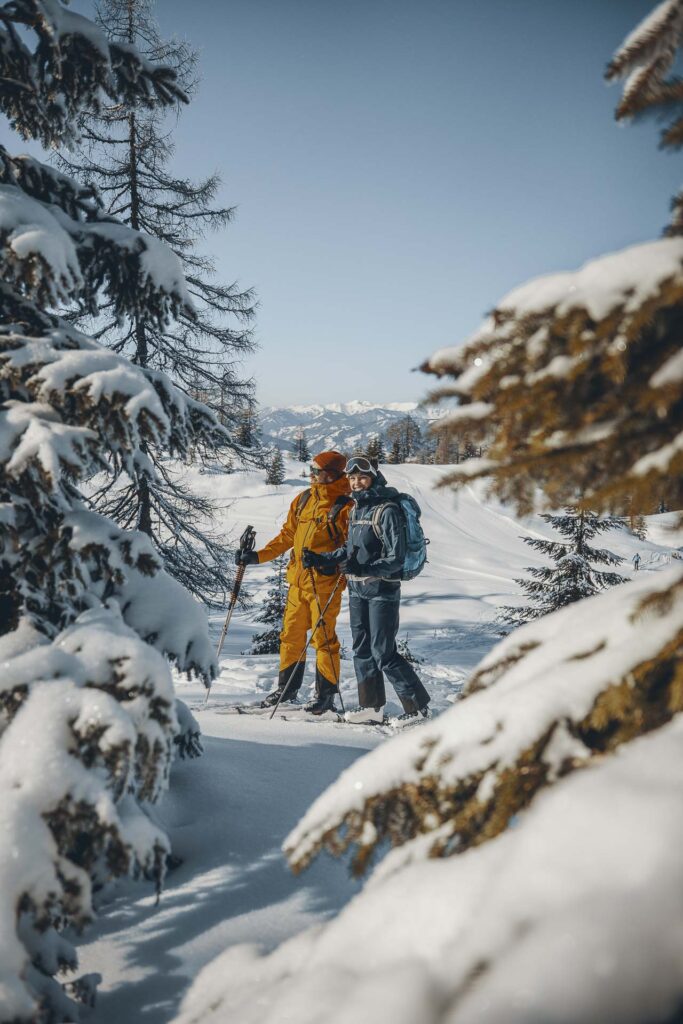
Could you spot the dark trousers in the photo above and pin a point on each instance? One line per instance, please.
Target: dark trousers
(374, 614)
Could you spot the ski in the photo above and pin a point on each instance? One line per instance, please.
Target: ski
(254, 709)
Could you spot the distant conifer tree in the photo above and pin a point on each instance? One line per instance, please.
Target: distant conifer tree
(276, 468)
(301, 450)
(375, 449)
(394, 457)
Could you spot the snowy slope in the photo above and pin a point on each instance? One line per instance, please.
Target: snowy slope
(228, 813)
(344, 426)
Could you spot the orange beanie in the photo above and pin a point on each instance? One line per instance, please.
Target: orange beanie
(333, 461)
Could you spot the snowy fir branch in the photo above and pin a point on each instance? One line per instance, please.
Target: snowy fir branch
(54, 63)
(89, 620)
(552, 697)
(575, 383)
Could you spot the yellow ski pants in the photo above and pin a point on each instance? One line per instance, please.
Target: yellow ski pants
(301, 615)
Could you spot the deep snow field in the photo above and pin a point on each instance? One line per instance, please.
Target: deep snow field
(228, 812)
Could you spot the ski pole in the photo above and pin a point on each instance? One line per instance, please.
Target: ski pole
(302, 656)
(247, 542)
(327, 639)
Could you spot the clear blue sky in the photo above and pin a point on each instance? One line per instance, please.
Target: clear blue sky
(398, 165)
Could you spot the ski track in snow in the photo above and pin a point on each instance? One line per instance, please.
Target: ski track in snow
(228, 812)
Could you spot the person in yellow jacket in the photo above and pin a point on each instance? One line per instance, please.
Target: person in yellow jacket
(318, 519)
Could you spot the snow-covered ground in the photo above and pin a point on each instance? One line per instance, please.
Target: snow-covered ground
(228, 813)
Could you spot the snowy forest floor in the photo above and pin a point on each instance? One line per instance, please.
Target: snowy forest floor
(228, 812)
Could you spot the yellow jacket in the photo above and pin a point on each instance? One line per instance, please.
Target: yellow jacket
(311, 528)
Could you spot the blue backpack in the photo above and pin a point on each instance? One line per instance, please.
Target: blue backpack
(416, 542)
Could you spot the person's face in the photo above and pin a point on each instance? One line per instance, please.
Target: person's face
(323, 476)
(360, 481)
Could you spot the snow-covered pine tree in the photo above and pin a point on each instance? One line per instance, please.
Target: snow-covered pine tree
(125, 154)
(275, 472)
(301, 450)
(88, 616)
(273, 610)
(573, 575)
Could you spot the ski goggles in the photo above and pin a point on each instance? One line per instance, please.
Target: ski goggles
(359, 464)
(315, 470)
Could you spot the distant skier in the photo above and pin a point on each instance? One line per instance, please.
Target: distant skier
(373, 565)
(318, 517)
(636, 562)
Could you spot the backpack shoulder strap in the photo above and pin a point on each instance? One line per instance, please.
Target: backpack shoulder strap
(341, 502)
(377, 515)
(302, 500)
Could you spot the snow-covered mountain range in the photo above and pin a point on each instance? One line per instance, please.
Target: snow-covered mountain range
(344, 426)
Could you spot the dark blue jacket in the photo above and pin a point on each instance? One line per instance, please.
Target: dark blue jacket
(385, 557)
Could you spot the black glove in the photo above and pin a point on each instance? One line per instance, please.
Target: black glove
(350, 567)
(246, 557)
(310, 559)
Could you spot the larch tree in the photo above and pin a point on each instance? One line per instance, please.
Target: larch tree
(125, 155)
(88, 617)
(573, 575)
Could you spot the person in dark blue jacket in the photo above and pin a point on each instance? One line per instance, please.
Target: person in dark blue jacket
(372, 565)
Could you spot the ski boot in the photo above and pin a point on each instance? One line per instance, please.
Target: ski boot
(365, 716)
(412, 714)
(290, 678)
(323, 702)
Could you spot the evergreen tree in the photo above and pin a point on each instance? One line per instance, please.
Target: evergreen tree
(273, 610)
(573, 575)
(405, 437)
(301, 450)
(88, 617)
(125, 155)
(276, 468)
(448, 450)
(247, 431)
(636, 523)
(395, 456)
(375, 449)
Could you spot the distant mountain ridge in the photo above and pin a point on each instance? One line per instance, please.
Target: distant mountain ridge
(345, 426)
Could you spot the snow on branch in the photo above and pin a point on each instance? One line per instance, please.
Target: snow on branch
(553, 696)
(43, 43)
(645, 58)
(101, 703)
(573, 380)
(54, 258)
